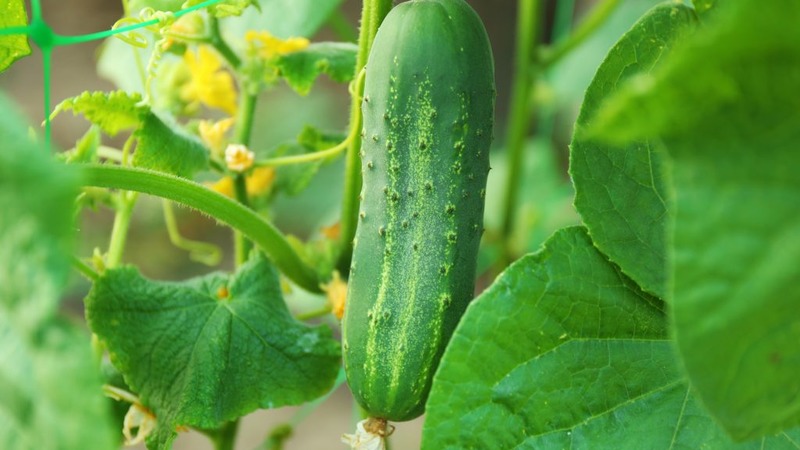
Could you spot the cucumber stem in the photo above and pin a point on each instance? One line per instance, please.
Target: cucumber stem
(372, 14)
(525, 74)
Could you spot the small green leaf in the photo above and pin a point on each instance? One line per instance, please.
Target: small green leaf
(112, 111)
(211, 349)
(620, 189)
(164, 146)
(13, 47)
(335, 59)
(49, 389)
(564, 351)
(725, 108)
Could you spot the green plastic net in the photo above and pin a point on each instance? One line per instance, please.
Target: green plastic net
(47, 40)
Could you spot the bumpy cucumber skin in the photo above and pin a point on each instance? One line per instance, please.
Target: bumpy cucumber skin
(428, 114)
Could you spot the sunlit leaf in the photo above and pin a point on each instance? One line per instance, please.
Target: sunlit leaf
(112, 111)
(13, 47)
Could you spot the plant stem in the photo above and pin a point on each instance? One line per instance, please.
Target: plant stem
(225, 437)
(242, 246)
(119, 232)
(203, 252)
(308, 157)
(529, 21)
(244, 127)
(216, 205)
(85, 270)
(372, 15)
(551, 55)
(314, 314)
(216, 41)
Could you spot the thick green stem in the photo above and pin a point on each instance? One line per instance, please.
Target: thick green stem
(528, 23)
(242, 245)
(244, 127)
(598, 16)
(119, 232)
(215, 39)
(225, 437)
(216, 205)
(372, 15)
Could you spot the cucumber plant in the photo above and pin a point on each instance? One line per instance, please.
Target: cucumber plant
(660, 312)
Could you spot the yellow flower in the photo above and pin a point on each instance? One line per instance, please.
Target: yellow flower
(258, 182)
(336, 291)
(224, 186)
(210, 84)
(213, 134)
(268, 46)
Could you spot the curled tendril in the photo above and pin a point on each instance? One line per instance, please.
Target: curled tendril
(161, 19)
(133, 38)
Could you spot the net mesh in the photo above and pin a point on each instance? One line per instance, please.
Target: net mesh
(43, 36)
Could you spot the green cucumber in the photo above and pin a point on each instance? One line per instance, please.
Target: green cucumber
(428, 113)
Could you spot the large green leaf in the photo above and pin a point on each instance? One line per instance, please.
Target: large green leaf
(211, 349)
(13, 47)
(725, 104)
(620, 189)
(564, 351)
(49, 388)
(335, 59)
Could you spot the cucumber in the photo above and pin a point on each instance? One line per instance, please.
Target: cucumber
(428, 112)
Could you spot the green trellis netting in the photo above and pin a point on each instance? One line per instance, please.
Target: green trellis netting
(46, 39)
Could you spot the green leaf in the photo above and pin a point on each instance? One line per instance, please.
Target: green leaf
(164, 146)
(15, 46)
(620, 189)
(725, 107)
(564, 351)
(112, 111)
(335, 59)
(211, 349)
(282, 18)
(49, 389)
